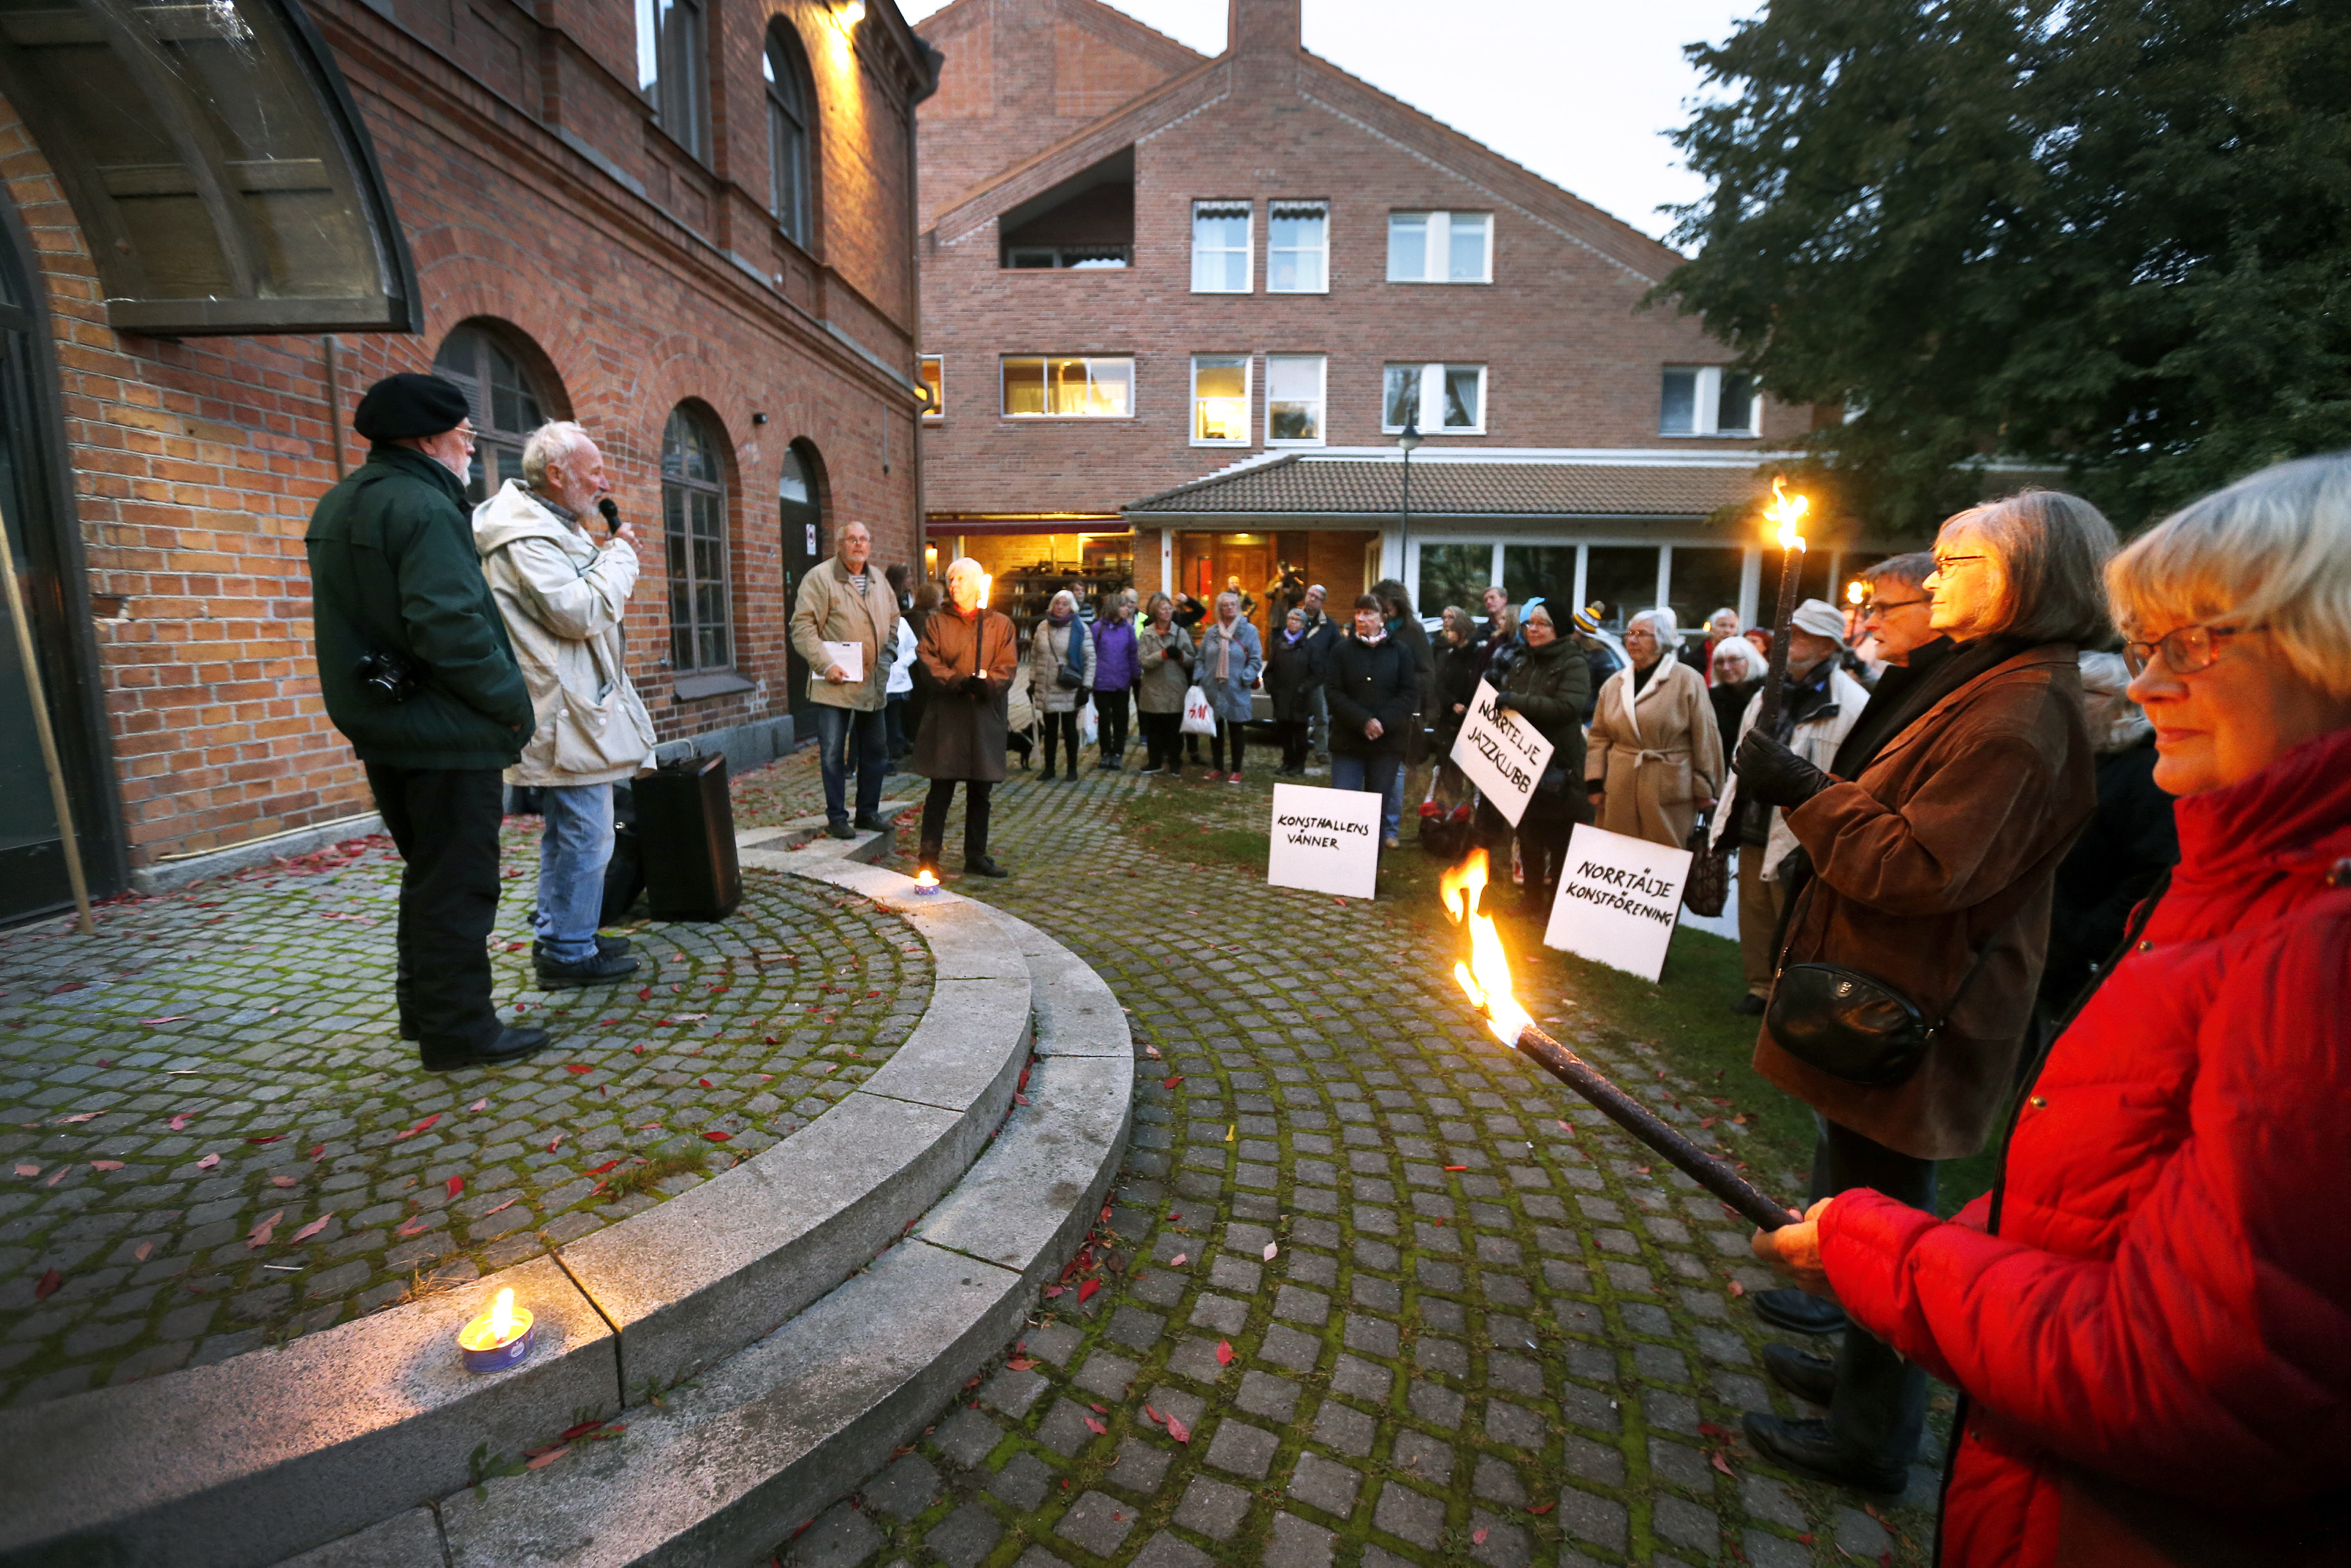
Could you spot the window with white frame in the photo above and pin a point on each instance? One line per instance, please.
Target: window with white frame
(1294, 399)
(1707, 400)
(671, 73)
(1440, 247)
(1298, 247)
(1220, 400)
(1220, 247)
(935, 379)
(1068, 386)
(1455, 394)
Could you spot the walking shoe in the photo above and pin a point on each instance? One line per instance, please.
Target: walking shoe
(606, 946)
(839, 829)
(1147, 772)
(601, 971)
(1106, 762)
(1391, 842)
(1233, 777)
(1805, 1444)
(871, 825)
(984, 866)
(1801, 1373)
(1790, 1309)
(512, 1045)
(1749, 1006)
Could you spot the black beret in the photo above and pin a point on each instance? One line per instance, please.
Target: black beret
(409, 404)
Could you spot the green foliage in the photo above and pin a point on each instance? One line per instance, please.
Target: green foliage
(2114, 236)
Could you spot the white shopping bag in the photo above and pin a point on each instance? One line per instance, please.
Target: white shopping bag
(1198, 717)
(1088, 726)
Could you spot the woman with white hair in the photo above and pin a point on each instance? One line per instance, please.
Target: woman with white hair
(1230, 660)
(1655, 759)
(2149, 1314)
(1061, 675)
(970, 653)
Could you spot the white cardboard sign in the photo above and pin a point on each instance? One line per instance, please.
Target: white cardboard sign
(849, 656)
(1503, 754)
(1618, 899)
(1324, 841)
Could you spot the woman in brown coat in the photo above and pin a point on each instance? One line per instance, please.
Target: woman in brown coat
(969, 654)
(1655, 759)
(1931, 871)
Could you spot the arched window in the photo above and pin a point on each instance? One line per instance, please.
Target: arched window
(787, 131)
(694, 523)
(506, 404)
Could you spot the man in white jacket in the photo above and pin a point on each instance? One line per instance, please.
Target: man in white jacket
(562, 583)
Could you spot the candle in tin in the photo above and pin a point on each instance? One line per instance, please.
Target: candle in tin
(499, 1338)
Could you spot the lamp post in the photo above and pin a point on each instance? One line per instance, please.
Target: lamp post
(1404, 444)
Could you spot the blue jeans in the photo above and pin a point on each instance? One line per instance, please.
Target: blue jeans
(1391, 818)
(1376, 773)
(573, 848)
(838, 729)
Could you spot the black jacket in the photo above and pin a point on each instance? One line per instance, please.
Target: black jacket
(1458, 672)
(394, 570)
(1371, 681)
(1548, 686)
(2130, 843)
(1292, 673)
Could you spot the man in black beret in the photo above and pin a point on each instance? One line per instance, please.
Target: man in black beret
(417, 673)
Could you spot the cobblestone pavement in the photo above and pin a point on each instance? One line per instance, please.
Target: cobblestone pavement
(1372, 1292)
(211, 1135)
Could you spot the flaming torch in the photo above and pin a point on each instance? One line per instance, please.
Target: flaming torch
(1786, 511)
(1487, 979)
(988, 582)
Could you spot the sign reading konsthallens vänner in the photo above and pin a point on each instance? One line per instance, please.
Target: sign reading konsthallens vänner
(1325, 840)
(1502, 754)
(1618, 899)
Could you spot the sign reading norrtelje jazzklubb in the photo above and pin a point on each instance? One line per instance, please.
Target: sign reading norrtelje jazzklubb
(1618, 899)
(1503, 754)
(1325, 840)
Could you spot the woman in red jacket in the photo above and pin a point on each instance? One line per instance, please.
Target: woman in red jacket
(2151, 1314)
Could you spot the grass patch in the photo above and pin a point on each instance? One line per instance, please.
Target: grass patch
(655, 1170)
(1685, 1016)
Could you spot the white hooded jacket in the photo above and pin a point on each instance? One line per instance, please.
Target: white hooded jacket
(563, 598)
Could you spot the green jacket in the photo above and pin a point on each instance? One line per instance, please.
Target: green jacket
(1548, 686)
(394, 570)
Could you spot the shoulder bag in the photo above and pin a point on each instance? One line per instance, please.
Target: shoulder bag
(1853, 1026)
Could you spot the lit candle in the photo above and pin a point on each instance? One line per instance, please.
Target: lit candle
(925, 881)
(499, 1338)
(1787, 511)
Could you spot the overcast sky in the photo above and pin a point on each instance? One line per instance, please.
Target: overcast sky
(1577, 90)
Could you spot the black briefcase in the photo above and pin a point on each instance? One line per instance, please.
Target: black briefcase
(686, 838)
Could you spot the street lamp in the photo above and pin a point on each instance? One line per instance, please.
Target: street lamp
(1406, 443)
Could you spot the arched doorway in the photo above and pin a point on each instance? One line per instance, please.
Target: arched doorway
(799, 512)
(47, 553)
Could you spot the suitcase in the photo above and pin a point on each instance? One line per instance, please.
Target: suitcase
(685, 839)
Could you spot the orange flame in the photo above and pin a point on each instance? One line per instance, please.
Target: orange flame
(925, 880)
(1852, 592)
(502, 1314)
(1786, 511)
(1487, 976)
(987, 581)
(500, 1326)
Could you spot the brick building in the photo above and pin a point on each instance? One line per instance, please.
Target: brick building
(1142, 267)
(689, 227)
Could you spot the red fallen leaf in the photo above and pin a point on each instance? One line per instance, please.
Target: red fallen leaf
(141, 1252)
(415, 1227)
(1171, 1082)
(1174, 1218)
(1153, 1052)
(481, 1104)
(208, 1162)
(48, 1285)
(1178, 1261)
(69, 986)
(638, 1048)
(1805, 1540)
(645, 994)
(271, 1139)
(1052, 1290)
(1098, 1409)
(1023, 1099)
(600, 1170)
(259, 1235)
(1477, 1536)
(1720, 1464)
(106, 1165)
(276, 1181)
(1020, 1364)
(1737, 1288)
(570, 1432)
(577, 1067)
(80, 1116)
(311, 1229)
(316, 1151)
(1096, 1428)
(456, 1185)
(553, 1141)
(546, 1458)
(1440, 1222)
(26, 1170)
(173, 1017)
(1538, 1509)
(418, 1128)
(180, 1120)
(1457, 1167)
(1177, 1430)
(717, 1137)
(1224, 1353)
(1709, 1429)
(1086, 1292)
(706, 1083)
(1705, 1121)
(1565, 1128)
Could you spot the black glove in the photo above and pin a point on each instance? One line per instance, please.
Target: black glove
(973, 687)
(1505, 700)
(1167, 654)
(1770, 772)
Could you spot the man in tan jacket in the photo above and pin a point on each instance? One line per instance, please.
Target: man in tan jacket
(562, 583)
(843, 602)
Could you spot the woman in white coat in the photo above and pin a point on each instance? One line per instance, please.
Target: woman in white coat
(1654, 761)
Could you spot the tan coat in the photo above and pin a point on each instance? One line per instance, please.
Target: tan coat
(829, 611)
(1656, 757)
(1948, 843)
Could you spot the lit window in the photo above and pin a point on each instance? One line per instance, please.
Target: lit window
(1220, 400)
(1440, 247)
(1068, 387)
(1298, 247)
(1705, 400)
(935, 377)
(1294, 399)
(1220, 247)
(671, 73)
(1458, 392)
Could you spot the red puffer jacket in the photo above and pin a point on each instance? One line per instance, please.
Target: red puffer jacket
(2156, 1343)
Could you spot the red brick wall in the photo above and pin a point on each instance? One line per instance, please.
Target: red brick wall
(195, 465)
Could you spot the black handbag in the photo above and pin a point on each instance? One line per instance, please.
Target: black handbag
(1853, 1026)
(1708, 887)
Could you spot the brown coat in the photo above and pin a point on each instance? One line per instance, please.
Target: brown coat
(963, 736)
(1948, 843)
(1657, 755)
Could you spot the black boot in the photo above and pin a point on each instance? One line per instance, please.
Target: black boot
(510, 1045)
(1801, 1373)
(603, 970)
(1790, 1309)
(1807, 1447)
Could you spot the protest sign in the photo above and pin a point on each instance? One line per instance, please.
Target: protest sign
(1619, 898)
(1325, 840)
(1503, 754)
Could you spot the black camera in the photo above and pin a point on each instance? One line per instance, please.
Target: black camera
(389, 676)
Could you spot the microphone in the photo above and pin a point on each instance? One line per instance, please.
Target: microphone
(611, 514)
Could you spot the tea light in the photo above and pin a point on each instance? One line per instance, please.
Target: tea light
(499, 1338)
(926, 881)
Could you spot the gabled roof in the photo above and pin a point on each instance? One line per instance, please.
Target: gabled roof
(1526, 485)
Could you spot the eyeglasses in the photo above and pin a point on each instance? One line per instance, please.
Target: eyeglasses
(1870, 607)
(2185, 651)
(1944, 563)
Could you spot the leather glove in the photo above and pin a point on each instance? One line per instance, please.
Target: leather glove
(973, 687)
(1504, 700)
(1770, 772)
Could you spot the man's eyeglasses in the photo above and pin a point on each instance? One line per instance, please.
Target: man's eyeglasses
(1943, 563)
(2185, 651)
(1870, 607)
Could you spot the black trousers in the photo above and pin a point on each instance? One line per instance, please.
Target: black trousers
(1293, 742)
(1228, 733)
(1063, 727)
(974, 818)
(445, 823)
(1881, 1399)
(1163, 740)
(1109, 719)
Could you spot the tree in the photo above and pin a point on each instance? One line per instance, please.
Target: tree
(2111, 235)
